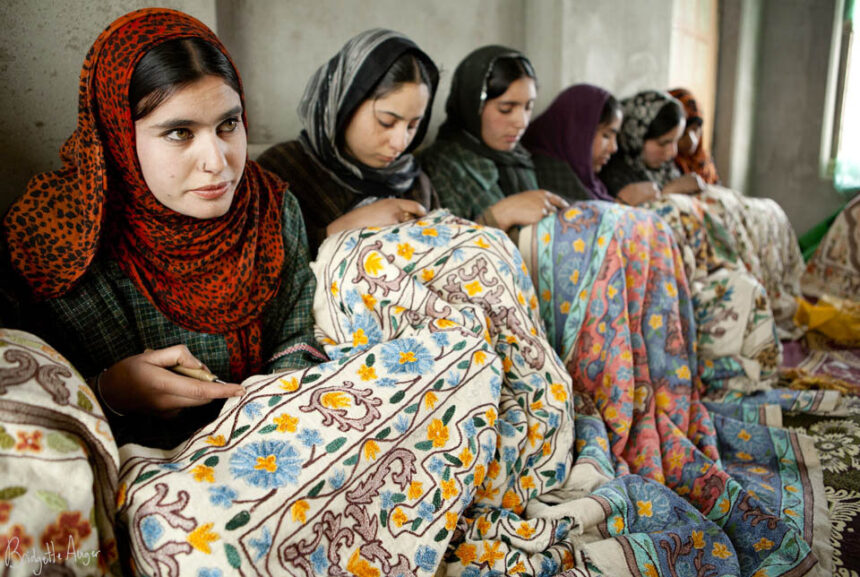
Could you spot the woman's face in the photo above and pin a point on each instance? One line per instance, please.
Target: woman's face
(506, 117)
(689, 143)
(605, 142)
(382, 129)
(658, 151)
(192, 148)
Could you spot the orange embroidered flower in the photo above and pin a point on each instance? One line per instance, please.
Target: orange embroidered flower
(70, 527)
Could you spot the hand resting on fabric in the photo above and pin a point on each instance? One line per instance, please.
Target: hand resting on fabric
(687, 184)
(639, 192)
(526, 208)
(380, 213)
(144, 384)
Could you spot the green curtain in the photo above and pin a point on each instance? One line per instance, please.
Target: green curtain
(846, 175)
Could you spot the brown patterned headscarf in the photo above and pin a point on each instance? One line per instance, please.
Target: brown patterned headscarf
(699, 161)
(212, 276)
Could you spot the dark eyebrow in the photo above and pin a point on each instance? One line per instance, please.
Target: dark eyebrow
(183, 123)
(397, 116)
(515, 102)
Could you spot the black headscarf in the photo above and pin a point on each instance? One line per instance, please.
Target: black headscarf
(463, 123)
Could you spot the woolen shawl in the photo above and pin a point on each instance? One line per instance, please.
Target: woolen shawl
(211, 276)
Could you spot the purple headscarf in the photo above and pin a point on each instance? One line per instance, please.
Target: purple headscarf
(566, 130)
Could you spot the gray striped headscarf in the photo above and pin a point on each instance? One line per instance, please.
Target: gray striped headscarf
(333, 94)
(639, 112)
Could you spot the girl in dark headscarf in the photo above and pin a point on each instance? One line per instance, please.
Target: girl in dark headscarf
(158, 243)
(692, 156)
(363, 113)
(573, 139)
(754, 232)
(477, 164)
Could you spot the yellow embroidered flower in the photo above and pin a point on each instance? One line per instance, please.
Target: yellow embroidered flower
(200, 538)
(449, 488)
(286, 423)
(360, 567)
(525, 531)
(574, 277)
(216, 441)
(579, 245)
(427, 274)
(466, 553)
(371, 449)
(438, 433)
(336, 400)
(744, 435)
(721, 551)
(698, 539)
(683, 372)
(473, 288)
(334, 289)
(491, 553)
(290, 385)
(398, 517)
(491, 416)
(121, 495)
(430, 400)
(416, 489)
(565, 307)
(430, 231)
(366, 373)
(268, 463)
(480, 473)
(511, 500)
(650, 570)
(618, 524)
(203, 473)
(373, 263)
(644, 508)
(480, 357)
(546, 238)
(763, 543)
(656, 321)
(482, 243)
(484, 526)
(369, 301)
(451, 519)
(298, 510)
(359, 338)
(405, 250)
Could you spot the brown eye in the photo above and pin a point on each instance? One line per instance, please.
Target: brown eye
(179, 135)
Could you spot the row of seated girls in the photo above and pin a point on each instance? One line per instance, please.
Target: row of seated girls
(445, 368)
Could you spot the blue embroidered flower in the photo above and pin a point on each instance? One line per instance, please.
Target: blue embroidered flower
(560, 471)
(319, 560)
(386, 500)
(262, 545)
(391, 237)
(426, 510)
(351, 298)
(310, 437)
(453, 379)
(152, 531)
(431, 235)
(496, 387)
(386, 382)
(506, 429)
(252, 410)
(267, 464)
(552, 420)
(171, 466)
(425, 558)
(209, 572)
(472, 571)
(363, 331)
(401, 424)
(509, 454)
(350, 243)
(406, 356)
(222, 496)
(469, 428)
(441, 339)
(548, 567)
(336, 481)
(457, 255)
(436, 466)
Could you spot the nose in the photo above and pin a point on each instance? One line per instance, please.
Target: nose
(613, 145)
(213, 158)
(399, 139)
(672, 151)
(521, 119)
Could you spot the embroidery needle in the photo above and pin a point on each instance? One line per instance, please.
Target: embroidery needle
(199, 374)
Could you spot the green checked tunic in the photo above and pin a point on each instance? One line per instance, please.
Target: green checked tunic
(105, 319)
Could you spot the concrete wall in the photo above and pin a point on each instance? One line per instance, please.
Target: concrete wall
(790, 108)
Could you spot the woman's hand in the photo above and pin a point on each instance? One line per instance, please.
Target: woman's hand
(144, 384)
(638, 192)
(526, 208)
(380, 213)
(687, 184)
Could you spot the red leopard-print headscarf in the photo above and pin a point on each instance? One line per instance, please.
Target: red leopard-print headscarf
(211, 276)
(699, 161)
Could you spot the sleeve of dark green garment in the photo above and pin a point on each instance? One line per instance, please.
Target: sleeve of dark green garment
(289, 319)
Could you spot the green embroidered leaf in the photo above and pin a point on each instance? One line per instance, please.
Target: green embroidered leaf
(144, 477)
(409, 268)
(494, 516)
(416, 523)
(437, 499)
(441, 535)
(9, 493)
(441, 261)
(538, 395)
(383, 518)
(463, 365)
(310, 378)
(62, 443)
(383, 433)
(239, 431)
(398, 498)
(84, 402)
(268, 429)
(341, 268)
(469, 479)
(316, 489)
(199, 453)
(411, 409)
(53, 500)
(211, 461)
(335, 445)
(424, 445)
(397, 397)
(232, 556)
(274, 400)
(459, 346)
(370, 360)
(448, 414)
(479, 422)
(453, 460)
(240, 519)
(351, 461)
